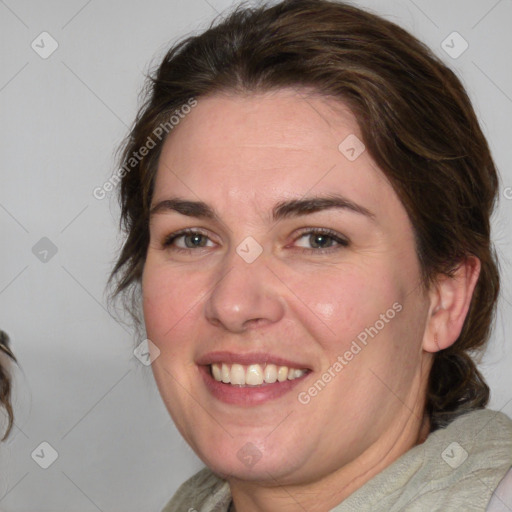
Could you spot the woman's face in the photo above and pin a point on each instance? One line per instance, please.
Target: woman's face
(299, 255)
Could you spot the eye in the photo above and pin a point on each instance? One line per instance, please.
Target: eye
(311, 240)
(321, 240)
(186, 240)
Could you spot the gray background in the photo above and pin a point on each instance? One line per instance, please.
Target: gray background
(78, 386)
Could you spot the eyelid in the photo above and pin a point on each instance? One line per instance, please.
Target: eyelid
(322, 231)
(341, 240)
(168, 239)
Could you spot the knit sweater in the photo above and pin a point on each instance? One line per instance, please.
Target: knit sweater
(456, 469)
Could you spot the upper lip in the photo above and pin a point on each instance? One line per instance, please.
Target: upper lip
(248, 358)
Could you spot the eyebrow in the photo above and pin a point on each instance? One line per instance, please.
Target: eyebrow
(282, 210)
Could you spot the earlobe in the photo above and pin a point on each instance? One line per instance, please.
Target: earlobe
(450, 299)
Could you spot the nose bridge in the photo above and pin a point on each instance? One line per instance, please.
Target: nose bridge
(246, 294)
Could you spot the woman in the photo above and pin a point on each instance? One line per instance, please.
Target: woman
(306, 195)
(6, 356)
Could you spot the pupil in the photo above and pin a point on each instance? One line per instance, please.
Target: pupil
(320, 240)
(195, 240)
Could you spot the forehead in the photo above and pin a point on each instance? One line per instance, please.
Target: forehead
(276, 145)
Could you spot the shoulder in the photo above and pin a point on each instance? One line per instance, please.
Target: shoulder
(204, 491)
(456, 468)
(466, 461)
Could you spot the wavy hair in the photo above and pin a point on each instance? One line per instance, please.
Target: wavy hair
(5, 381)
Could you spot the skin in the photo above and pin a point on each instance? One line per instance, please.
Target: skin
(242, 155)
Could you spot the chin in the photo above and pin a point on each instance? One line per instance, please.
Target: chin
(251, 460)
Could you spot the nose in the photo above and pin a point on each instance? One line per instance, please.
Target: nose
(245, 296)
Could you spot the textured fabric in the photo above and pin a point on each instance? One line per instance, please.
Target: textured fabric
(456, 469)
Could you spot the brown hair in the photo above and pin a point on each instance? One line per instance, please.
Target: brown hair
(5, 381)
(416, 120)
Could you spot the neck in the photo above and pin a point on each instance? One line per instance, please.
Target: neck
(328, 491)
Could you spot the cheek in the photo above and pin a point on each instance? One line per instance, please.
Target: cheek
(338, 304)
(168, 302)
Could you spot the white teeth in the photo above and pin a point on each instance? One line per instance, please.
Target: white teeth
(270, 373)
(217, 374)
(237, 374)
(225, 373)
(254, 374)
(282, 373)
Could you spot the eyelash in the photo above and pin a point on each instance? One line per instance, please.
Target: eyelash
(342, 242)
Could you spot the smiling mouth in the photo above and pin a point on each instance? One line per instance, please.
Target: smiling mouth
(254, 374)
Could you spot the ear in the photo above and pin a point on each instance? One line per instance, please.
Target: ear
(450, 298)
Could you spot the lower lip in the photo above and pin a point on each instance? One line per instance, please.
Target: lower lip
(247, 395)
